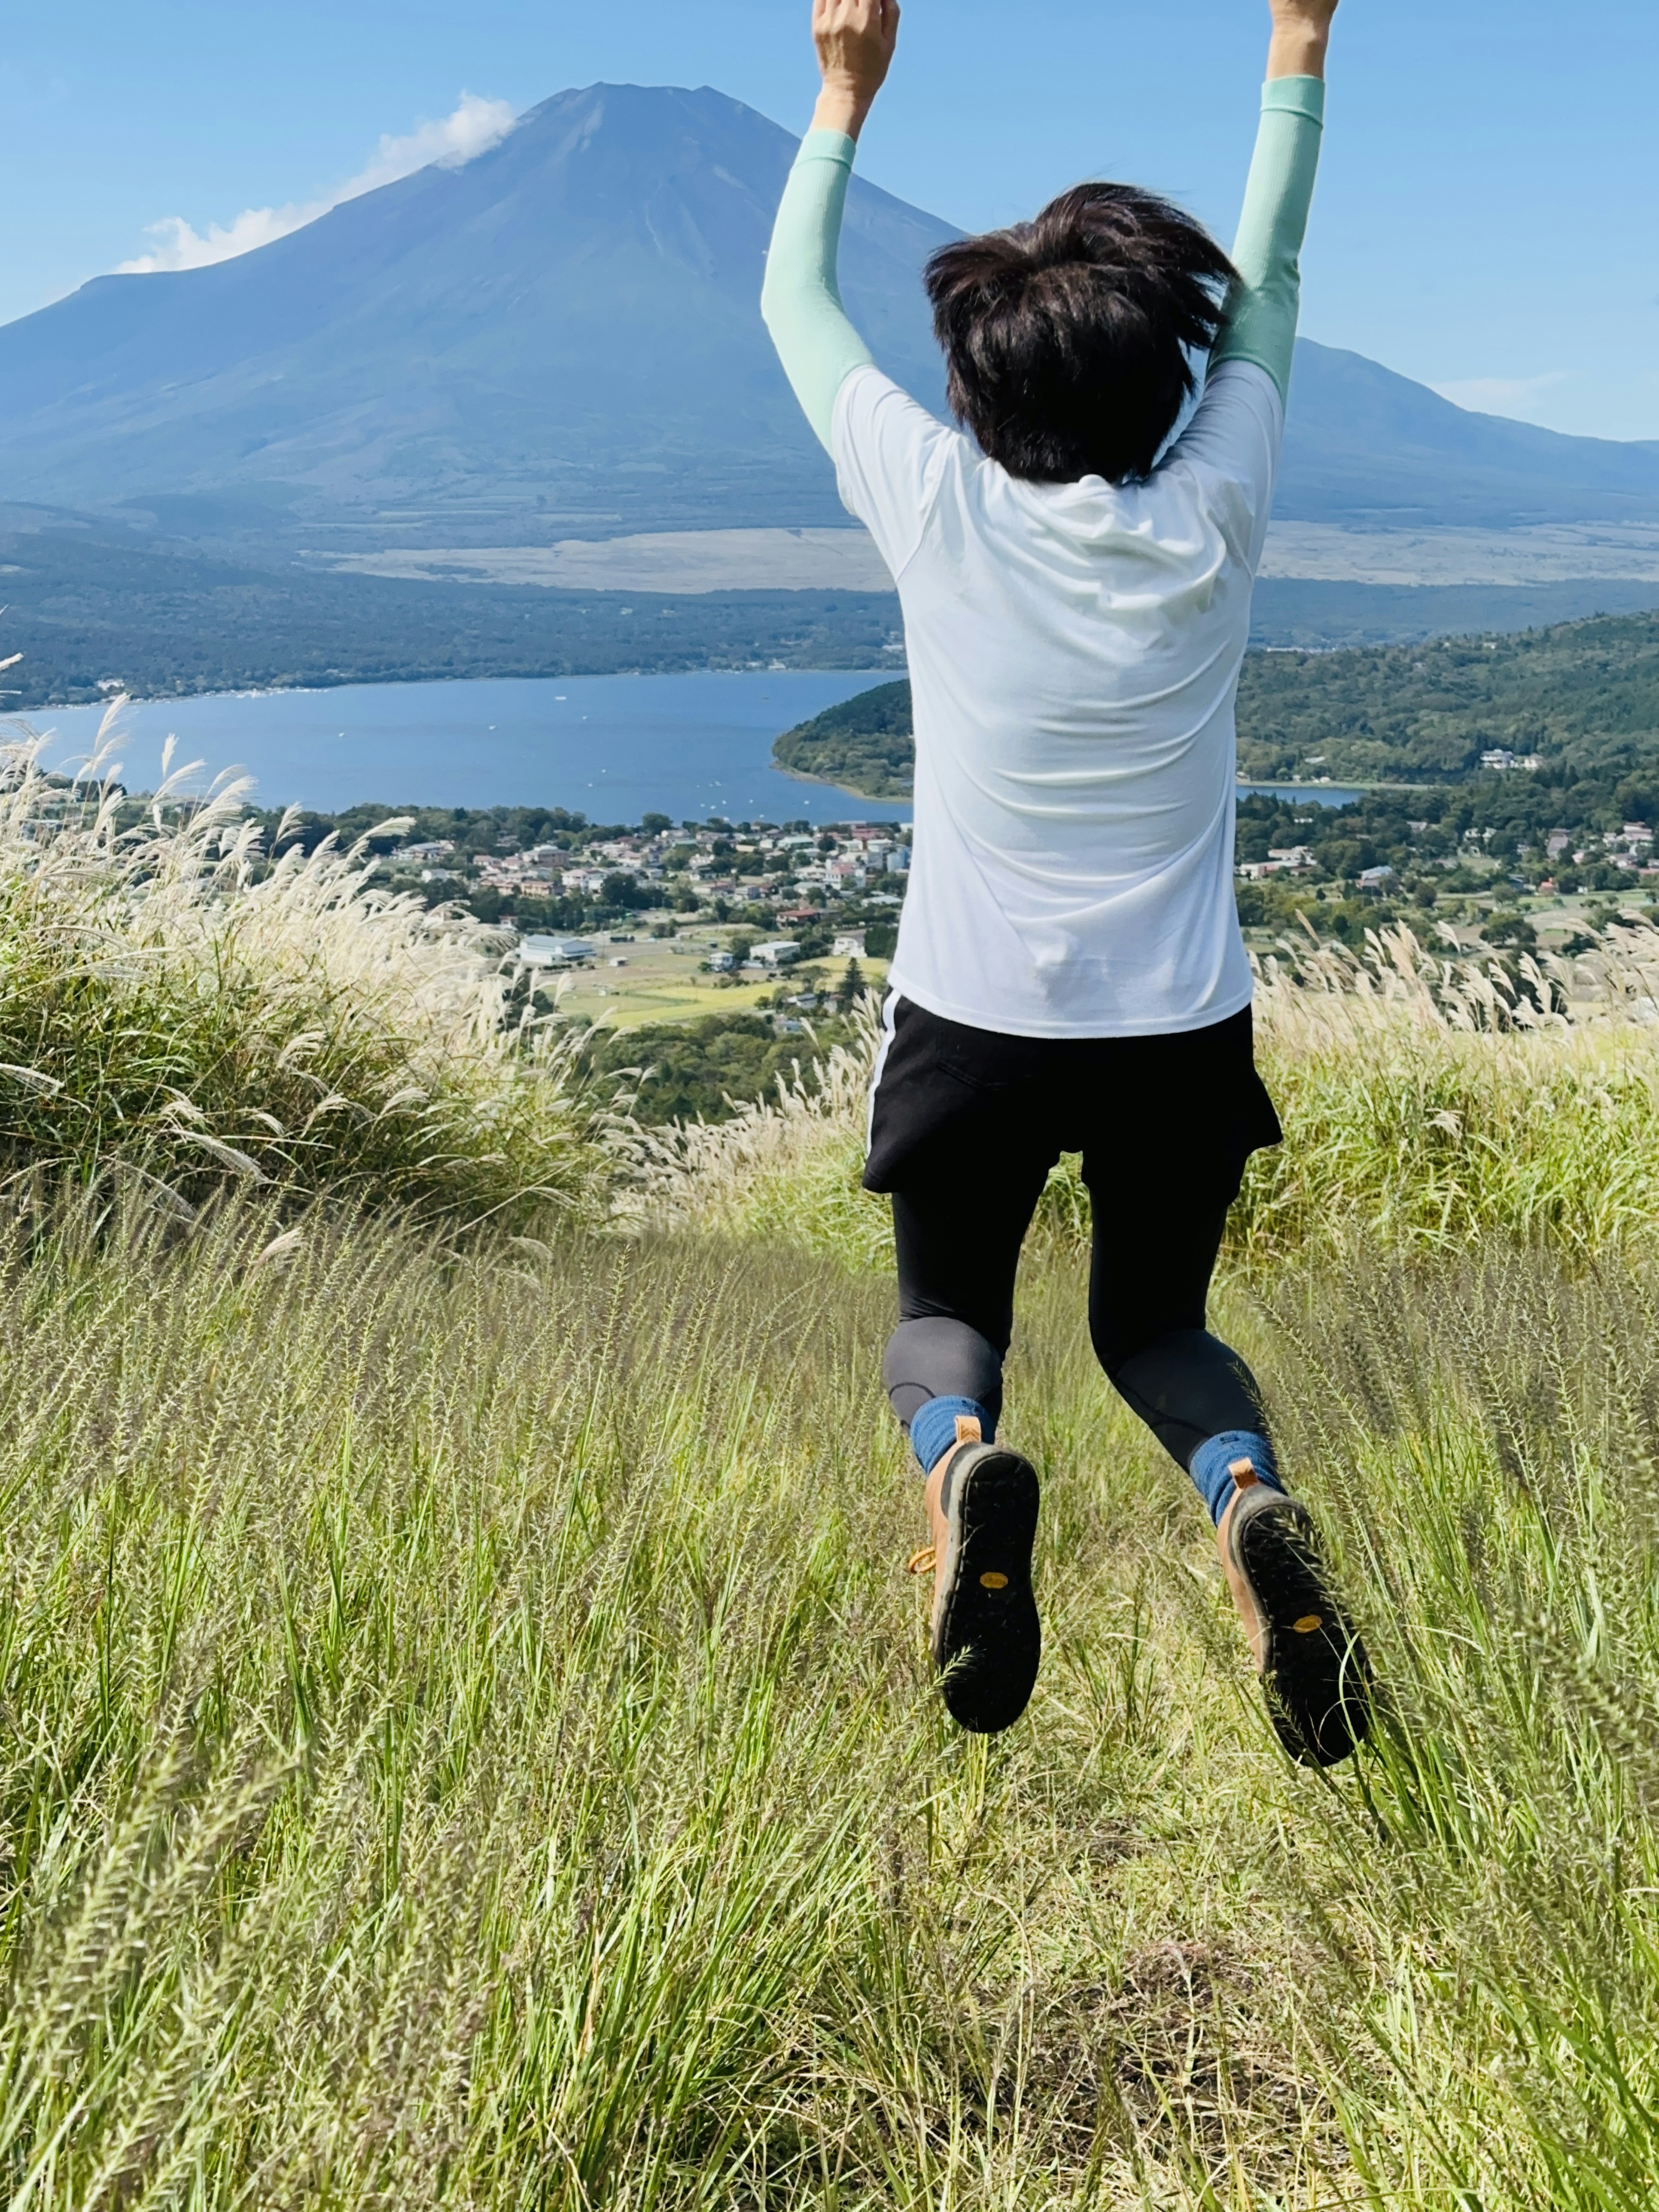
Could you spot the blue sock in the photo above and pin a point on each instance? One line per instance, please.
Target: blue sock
(1211, 1462)
(933, 1427)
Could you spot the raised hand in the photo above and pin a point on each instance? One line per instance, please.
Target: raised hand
(855, 40)
(1302, 31)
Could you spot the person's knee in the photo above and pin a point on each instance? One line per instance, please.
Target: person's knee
(940, 1358)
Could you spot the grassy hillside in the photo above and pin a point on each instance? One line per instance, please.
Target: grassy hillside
(179, 1017)
(469, 1742)
(1428, 1102)
(466, 1734)
(1585, 695)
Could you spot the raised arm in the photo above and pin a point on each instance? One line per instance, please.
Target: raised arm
(1262, 313)
(816, 342)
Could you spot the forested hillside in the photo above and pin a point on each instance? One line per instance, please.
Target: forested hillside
(1583, 697)
(864, 745)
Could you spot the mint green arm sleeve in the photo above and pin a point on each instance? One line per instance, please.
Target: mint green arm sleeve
(1265, 303)
(816, 344)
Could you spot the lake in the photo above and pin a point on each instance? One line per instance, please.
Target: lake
(1320, 794)
(613, 748)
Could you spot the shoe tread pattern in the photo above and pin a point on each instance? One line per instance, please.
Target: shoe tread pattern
(1317, 1680)
(989, 1640)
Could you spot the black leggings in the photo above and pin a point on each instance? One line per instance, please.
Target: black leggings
(1154, 1252)
(966, 1126)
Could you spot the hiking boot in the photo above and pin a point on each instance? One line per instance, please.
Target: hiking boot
(1313, 1666)
(987, 1639)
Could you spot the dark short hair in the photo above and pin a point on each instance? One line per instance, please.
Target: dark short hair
(1070, 339)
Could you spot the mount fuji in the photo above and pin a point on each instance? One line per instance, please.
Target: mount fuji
(561, 340)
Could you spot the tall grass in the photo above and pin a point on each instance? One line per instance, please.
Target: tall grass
(466, 1736)
(1433, 1099)
(1425, 1101)
(1486, 1438)
(468, 1741)
(175, 1013)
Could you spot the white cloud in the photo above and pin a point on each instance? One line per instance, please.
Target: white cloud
(476, 126)
(1519, 396)
(179, 246)
(473, 128)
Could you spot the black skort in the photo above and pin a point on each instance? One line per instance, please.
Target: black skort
(1190, 1105)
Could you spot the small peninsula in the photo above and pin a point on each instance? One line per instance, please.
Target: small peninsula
(865, 746)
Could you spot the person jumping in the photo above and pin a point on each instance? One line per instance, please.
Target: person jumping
(1070, 976)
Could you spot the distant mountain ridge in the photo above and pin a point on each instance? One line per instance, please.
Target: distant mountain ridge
(563, 338)
(1365, 445)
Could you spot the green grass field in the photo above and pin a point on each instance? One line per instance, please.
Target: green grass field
(663, 982)
(468, 1741)
(466, 1733)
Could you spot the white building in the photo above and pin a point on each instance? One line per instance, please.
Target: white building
(554, 951)
(1281, 860)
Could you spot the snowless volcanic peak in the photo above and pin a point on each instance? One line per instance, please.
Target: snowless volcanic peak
(563, 338)
(572, 317)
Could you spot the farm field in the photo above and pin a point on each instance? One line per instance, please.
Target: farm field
(661, 982)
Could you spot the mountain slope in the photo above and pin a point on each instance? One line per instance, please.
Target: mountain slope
(1365, 445)
(563, 338)
(568, 326)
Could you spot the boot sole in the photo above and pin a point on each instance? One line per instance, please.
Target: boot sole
(987, 1640)
(1317, 1677)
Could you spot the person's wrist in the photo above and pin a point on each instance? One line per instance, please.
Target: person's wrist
(1298, 49)
(842, 107)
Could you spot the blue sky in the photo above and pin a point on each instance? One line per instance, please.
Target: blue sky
(1489, 214)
